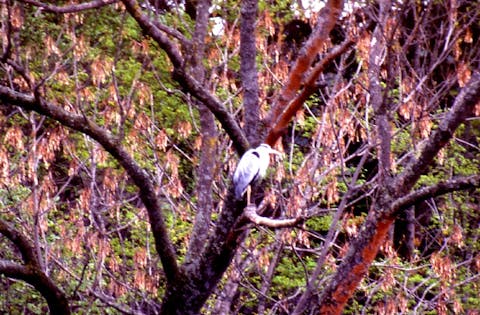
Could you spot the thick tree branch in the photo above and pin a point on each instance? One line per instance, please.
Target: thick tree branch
(205, 172)
(354, 266)
(463, 108)
(250, 213)
(209, 134)
(326, 21)
(151, 30)
(111, 145)
(31, 271)
(71, 8)
(205, 272)
(378, 95)
(309, 88)
(365, 247)
(227, 120)
(439, 189)
(248, 69)
(21, 242)
(56, 299)
(189, 83)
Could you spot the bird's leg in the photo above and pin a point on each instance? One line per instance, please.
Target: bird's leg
(249, 192)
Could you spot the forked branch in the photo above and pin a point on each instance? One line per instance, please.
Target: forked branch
(110, 144)
(188, 82)
(326, 21)
(70, 8)
(365, 247)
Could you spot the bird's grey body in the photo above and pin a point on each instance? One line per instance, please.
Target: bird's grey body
(251, 167)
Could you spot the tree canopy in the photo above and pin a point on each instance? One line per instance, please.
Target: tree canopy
(122, 122)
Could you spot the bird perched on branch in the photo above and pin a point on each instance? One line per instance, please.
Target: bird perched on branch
(251, 168)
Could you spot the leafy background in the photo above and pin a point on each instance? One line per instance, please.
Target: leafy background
(83, 215)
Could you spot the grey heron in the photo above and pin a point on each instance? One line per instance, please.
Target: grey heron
(251, 167)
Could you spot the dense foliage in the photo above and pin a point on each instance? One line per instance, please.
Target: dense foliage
(121, 124)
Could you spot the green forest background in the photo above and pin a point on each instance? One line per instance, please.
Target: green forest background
(121, 123)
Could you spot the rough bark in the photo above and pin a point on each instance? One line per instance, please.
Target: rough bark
(209, 140)
(394, 197)
(248, 70)
(287, 103)
(72, 8)
(188, 82)
(31, 271)
(205, 171)
(326, 21)
(378, 95)
(111, 145)
(202, 276)
(354, 266)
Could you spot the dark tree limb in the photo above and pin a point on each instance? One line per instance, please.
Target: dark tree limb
(56, 299)
(251, 214)
(463, 108)
(189, 83)
(71, 8)
(111, 145)
(208, 147)
(309, 88)
(31, 271)
(248, 69)
(461, 183)
(21, 242)
(225, 118)
(326, 21)
(378, 95)
(204, 273)
(365, 247)
(150, 29)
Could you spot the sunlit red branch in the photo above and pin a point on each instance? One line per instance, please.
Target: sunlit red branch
(309, 88)
(326, 21)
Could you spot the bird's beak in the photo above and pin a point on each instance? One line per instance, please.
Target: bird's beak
(272, 151)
